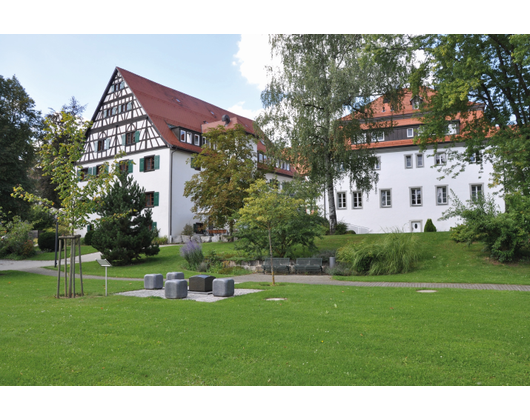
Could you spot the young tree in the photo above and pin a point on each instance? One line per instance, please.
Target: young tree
(45, 187)
(266, 209)
(322, 79)
(490, 70)
(124, 230)
(228, 167)
(301, 229)
(20, 126)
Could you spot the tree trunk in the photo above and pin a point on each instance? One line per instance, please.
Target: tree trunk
(270, 249)
(331, 202)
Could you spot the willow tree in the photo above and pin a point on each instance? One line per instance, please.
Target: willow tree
(321, 80)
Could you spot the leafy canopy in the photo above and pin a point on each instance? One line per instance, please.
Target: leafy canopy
(323, 78)
(20, 127)
(61, 149)
(490, 70)
(227, 169)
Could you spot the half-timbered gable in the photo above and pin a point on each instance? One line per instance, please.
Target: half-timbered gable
(159, 129)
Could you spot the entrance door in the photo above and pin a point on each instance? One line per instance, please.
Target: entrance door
(416, 226)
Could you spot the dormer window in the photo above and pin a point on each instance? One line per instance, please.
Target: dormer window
(415, 102)
(182, 136)
(196, 140)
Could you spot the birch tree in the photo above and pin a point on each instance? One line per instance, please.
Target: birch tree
(321, 80)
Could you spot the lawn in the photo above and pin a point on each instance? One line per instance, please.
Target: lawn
(319, 335)
(45, 256)
(443, 261)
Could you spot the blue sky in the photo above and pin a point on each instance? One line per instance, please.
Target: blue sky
(226, 70)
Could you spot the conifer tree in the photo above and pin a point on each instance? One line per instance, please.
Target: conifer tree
(125, 228)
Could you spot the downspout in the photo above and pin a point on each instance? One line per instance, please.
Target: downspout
(170, 195)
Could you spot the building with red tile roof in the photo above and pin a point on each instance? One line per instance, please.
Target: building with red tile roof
(413, 185)
(159, 129)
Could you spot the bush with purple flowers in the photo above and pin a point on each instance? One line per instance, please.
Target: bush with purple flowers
(192, 253)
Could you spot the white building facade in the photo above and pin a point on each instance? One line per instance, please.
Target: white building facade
(412, 185)
(159, 129)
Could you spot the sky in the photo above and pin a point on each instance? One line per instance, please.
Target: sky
(225, 70)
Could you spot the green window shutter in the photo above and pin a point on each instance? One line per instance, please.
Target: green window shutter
(130, 167)
(136, 136)
(154, 225)
(123, 139)
(157, 162)
(142, 160)
(156, 198)
(88, 228)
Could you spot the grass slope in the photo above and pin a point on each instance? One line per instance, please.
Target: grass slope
(320, 335)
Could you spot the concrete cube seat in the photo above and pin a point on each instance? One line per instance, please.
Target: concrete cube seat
(174, 275)
(153, 281)
(223, 287)
(176, 289)
(201, 283)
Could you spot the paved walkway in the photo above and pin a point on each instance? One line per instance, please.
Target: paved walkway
(36, 267)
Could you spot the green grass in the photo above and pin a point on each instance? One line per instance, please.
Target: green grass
(45, 256)
(442, 261)
(320, 335)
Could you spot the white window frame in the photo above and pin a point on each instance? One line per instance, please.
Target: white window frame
(408, 162)
(410, 132)
(416, 196)
(357, 200)
(380, 137)
(385, 196)
(479, 190)
(419, 156)
(183, 136)
(341, 203)
(436, 195)
(196, 140)
(440, 158)
(188, 138)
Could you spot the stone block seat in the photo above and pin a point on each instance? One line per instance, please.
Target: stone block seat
(176, 289)
(201, 283)
(223, 287)
(153, 281)
(174, 275)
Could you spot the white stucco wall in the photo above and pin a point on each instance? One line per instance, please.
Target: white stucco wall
(401, 214)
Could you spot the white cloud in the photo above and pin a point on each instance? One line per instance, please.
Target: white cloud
(240, 110)
(253, 55)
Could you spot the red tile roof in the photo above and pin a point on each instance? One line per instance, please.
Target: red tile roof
(166, 106)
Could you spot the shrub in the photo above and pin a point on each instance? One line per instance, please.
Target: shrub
(341, 228)
(188, 230)
(88, 237)
(159, 240)
(46, 241)
(15, 241)
(325, 254)
(395, 252)
(340, 269)
(429, 226)
(192, 253)
(203, 267)
(505, 235)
